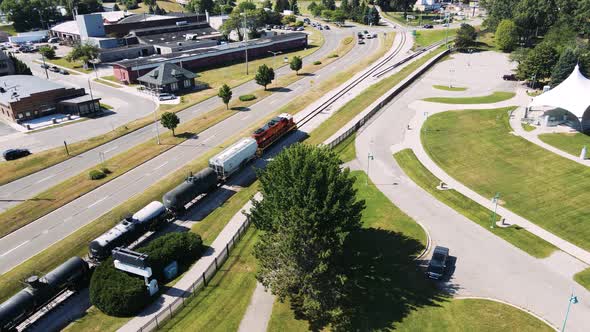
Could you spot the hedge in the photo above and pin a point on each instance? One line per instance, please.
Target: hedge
(317, 63)
(247, 97)
(96, 174)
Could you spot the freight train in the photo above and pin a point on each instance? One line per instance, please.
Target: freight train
(72, 274)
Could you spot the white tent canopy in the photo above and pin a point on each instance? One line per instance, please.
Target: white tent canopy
(572, 95)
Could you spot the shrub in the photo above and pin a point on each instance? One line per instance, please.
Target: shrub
(106, 171)
(247, 97)
(333, 56)
(96, 174)
(317, 63)
(115, 292)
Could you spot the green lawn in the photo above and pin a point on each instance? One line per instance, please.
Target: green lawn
(77, 66)
(583, 278)
(471, 315)
(99, 81)
(429, 37)
(9, 29)
(168, 6)
(518, 236)
(527, 127)
(572, 143)
(346, 149)
(495, 97)
(449, 88)
(420, 19)
(476, 146)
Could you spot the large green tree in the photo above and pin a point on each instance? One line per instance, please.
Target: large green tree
(309, 208)
(564, 66)
(538, 63)
(20, 68)
(534, 17)
(225, 94)
(506, 35)
(170, 121)
(296, 64)
(264, 75)
(497, 11)
(200, 6)
(83, 52)
(28, 14)
(465, 36)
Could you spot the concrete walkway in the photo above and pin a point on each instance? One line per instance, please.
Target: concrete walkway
(259, 311)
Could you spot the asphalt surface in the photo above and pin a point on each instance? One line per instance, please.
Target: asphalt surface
(486, 265)
(35, 237)
(27, 187)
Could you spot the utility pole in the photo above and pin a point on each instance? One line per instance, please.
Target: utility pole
(369, 158)
(246, 41)
(495, 202)
(91, 97)
(274, 56)
(44, 65)
(156, 122)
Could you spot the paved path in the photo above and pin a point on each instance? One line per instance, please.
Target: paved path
(259, 311)
(486, 265)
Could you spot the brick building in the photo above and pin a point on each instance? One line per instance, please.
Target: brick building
(25, 97)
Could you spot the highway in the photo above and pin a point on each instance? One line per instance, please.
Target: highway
(37, 236)
(16, 191)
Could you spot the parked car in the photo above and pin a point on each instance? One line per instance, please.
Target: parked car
(13, 154)
(438, 263)
(54, 69)
(509, 77)
(327, 27)
(300, 29)
(53, 40)
(166, 96)
(361, 42)
(44, 66)
(306, 20)
(374, 35)
(64, 72)
(368, 36)
(428, 26)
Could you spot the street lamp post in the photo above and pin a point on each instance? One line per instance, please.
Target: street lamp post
(369, 158)
(91, 96)
(246, 41)
(573, 300)
(274, 56)
(154, 93)
(495, 202)
(44, 65)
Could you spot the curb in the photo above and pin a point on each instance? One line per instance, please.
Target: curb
(510, 304)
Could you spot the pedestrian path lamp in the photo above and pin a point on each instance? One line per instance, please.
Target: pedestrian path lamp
(369, 158)
(573, 300)
(495, 202)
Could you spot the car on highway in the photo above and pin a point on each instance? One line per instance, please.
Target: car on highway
(326, 27)
(428, 26)
(300, 29)
(44, 66)
(509, 77)
(361, 42)
(64, 72)
(13, 154)
(166, 96)
(438, 263)
(54, 69)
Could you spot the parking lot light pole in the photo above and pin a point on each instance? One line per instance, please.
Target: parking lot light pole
(274, 55)
(44, 65)
(495, 202)
(369, 158)
(156, 119)
(573, 300)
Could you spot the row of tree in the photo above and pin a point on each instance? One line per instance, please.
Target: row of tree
(355, 10)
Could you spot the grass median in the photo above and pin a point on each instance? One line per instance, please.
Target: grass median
(517, 236)
(449, 88)
(78, 185)
(13, 170)
(429, 37)
(583, 278)
(495, 97)
(76, 243)
(572, 143)
(477, 147)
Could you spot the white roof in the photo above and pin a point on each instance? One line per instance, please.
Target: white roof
(71, 27)
(232, 150)
(572, 95)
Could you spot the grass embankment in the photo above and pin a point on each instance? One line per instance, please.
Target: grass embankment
(346, 149)
(449, 88)
(10, 171)
(515, 235)
(79, 184)
(76, 243)
(527, 127)
(418, 21)
(471, 315)
(384, 226)
(75, 65)
(9, 29)
(572, 143)
(476, 146)
(429, 37)
(583, 278)
(495, 97)
(168, 6)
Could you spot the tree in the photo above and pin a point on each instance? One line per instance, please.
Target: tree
(200, 6)
(338, 16)
(311, 7)
(20, 68)
(294, 6)
(296, 64)
(497, 11)
(281, 5)
(245, 6)
(538, 63)
(116, 8)
(308, 210)
(564, 66)
(465, 36)
(264, 76)
(47, 51)
(83, 52)
(28, 14)
(170, 121)
(288, 19)
(317, 10)
(506, 35)
(225, 94)
(329, 4)
(374, 16)
(267, 4)
(534, 16)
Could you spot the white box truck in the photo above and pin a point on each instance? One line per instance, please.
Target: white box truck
(234, 157)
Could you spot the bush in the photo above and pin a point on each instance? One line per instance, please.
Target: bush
(247, 97)
(333, 56)
(96, 174)
(106, 171)
(317, 63)
(115, 292)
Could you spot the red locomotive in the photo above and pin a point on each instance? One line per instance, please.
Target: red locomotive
(273, 130)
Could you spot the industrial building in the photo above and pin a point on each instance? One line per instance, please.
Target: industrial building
(25, 97)
(128, 71)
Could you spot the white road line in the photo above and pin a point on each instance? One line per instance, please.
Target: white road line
(273, 101)
(100, 200)
(208, 139)
(247, 116)
(45, 179)
(164, 164)
(111, 149)
(13, 249)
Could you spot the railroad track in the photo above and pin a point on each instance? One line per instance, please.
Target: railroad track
(322, 107)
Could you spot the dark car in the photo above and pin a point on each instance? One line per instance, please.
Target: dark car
(13, 154)
(326, 27)
(64, 72)
(438, 263)
(44, 66)
(361, 41)
(54, 69)
(428, 26)
(509, 77)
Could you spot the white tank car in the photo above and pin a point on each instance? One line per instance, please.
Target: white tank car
(151, 211)
(234, 157)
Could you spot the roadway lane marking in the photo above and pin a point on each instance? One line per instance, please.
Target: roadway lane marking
(210, 138)
(13, 249)
(100, 200)
(111, 149)
(45, 179)
(273, 101)
(164, 164)
(246, 117)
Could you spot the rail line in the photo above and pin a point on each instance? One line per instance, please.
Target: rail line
(352, 84)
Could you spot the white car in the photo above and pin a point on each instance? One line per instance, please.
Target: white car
(166, 96)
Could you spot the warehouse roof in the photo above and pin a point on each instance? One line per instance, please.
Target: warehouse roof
(166, 73)
(16, 87)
